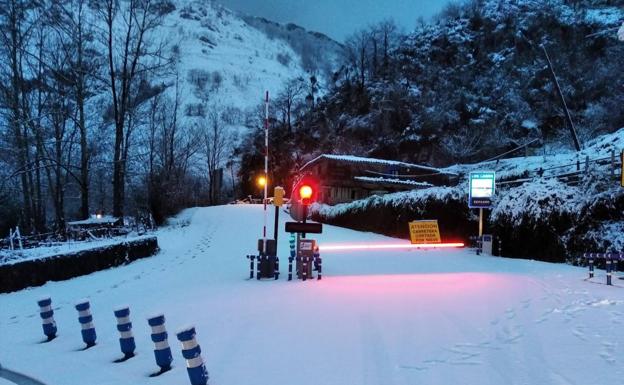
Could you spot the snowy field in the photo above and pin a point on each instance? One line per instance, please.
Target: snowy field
(399, 317)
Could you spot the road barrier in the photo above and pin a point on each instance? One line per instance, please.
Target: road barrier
(47, 317)
(86, 322)
(162, 351)
(124, 326)
(191, 351)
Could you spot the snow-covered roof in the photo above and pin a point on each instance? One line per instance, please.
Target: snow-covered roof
(402, 182)
(362, 160)
(107, 219)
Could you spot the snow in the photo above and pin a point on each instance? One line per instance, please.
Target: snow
(359, 159)
(607, 16)
(107, 219)
(399, 199)
(621, 33)
(9, 257)
(405, 182)
(511, 168)
(401, 317)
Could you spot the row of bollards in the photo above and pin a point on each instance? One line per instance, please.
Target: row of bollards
(191, 351)
(611, 264)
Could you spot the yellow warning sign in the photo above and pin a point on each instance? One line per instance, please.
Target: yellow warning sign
(424, 232)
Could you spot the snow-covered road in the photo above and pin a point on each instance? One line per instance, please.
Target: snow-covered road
(377, 317)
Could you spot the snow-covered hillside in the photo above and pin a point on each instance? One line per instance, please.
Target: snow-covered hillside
(223, 60)
(400, 317)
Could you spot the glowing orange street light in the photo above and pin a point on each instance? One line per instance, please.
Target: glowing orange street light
(261, 181)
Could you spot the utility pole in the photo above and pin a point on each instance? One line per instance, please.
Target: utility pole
(577, 144)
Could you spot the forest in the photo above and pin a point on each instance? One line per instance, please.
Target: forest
(470, 85)
(87, 123)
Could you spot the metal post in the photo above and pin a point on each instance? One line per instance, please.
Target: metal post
(305, 218)
(612, 163)
(577, 144)
(480, 222)
(275, 227)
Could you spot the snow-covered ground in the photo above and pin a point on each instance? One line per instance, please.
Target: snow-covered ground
(9, 257)
(377, 317)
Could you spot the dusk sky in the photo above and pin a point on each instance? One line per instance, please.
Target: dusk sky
(339, 18)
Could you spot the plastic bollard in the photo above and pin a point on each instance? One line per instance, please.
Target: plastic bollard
(608, 267)
(290, 261)
(591, 268)
(251, 266)
(304, 269)
(258, 267)
(276, 271)
(47, 317)
(162, 351)
(320, 268)
(124, 326)
(86, 322)
(191, 351)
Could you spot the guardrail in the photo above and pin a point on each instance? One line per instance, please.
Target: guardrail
(570, 172)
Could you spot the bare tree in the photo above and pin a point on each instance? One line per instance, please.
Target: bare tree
(357, 49)
(73, 26)
(216, 141)
(288, 99)
(132, 58)
(16, 30)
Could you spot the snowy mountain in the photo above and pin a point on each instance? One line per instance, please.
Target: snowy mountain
(224, 59)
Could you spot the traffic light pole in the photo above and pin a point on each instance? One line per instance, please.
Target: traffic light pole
(276, 223)
(305, 217)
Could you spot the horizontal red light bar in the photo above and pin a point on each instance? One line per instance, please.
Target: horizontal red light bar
(386, 246)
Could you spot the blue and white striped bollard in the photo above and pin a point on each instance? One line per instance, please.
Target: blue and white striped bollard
(47, 317)
(124, 326)
(319, 263)
(162, 351)
(192, 354)
(591, 268)
(86, 322)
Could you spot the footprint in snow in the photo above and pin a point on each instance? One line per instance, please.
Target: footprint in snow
(579, 332)
(510, 314)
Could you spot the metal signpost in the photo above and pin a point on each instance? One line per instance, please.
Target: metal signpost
(481, 192)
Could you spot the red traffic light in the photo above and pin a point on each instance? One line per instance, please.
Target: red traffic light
(306, 190)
